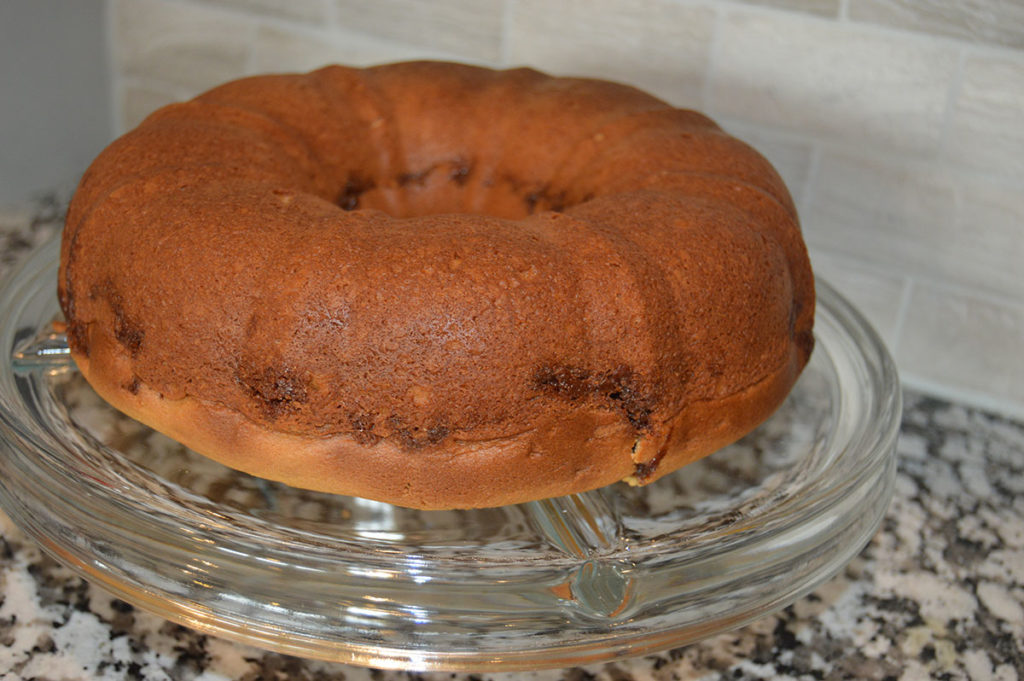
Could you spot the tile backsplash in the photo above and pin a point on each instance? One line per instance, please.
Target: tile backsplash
(898, 124)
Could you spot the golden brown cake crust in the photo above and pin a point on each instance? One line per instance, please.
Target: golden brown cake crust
(437, 285)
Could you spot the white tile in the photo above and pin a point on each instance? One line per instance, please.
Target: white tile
(824, 8)
(468, 28)
(877, 293)
(660, 46)
(987, 128)
(138, 101)
(981, 21)
(922, 219)
(833, 80)
(311, 11)
(988, 247)
(789, 154)
(180, 44)
(882, 211)
(964, 341)
(279, 50)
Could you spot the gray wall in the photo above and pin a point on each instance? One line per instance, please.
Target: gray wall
(54, 93)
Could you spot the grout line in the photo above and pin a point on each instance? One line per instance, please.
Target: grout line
(728, 5)
(990, 51)
(151, 82)
(854, 262)
(845, 23)
(769, 10)
(1003, 406)
(968, 291)
(943, 39)
(810, 181)
(901, 314)
(251, 16)
(175, 90)
(894, 157)
(330, 30)
(920, 280)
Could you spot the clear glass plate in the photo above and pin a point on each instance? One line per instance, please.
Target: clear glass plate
(574, 580)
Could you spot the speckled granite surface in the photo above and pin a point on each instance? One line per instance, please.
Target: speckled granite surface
(938, 593)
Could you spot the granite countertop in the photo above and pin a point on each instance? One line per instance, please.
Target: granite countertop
(938, 593)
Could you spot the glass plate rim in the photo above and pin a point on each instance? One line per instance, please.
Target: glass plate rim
(877, 443)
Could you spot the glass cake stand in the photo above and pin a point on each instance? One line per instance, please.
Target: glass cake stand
(573, 580)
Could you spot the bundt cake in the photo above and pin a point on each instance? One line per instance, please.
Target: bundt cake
(437, 285)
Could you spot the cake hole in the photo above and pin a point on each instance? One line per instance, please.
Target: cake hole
(454, 185)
